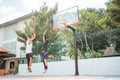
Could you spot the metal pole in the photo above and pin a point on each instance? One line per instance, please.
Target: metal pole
(86, 54)
(37, 45)
(75, 50)
(20, 56)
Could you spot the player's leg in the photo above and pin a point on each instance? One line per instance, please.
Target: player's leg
(45, 65)
(27, 57)
(30, 62)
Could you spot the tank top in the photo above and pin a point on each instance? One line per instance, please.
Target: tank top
(28, 47)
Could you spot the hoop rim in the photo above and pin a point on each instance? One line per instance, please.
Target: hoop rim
(66, 25)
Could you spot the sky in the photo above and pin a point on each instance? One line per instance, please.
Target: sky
(11, 9)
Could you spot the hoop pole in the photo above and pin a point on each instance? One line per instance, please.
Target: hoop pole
(75, 45)
(75, 50)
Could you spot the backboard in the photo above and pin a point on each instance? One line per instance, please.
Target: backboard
(68, 16)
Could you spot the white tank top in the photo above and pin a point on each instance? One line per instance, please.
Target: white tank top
(28, 47)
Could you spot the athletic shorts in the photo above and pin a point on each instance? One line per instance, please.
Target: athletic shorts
(29, 55)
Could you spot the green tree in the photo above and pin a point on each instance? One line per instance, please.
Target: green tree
(91, 25)
(113, 10)
(89, 19)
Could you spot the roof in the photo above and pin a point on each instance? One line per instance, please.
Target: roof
(5, 53)
(16, 20)
(3, 50)
(11, 58)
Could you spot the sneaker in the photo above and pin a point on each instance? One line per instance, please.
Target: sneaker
(29, 70)
(45, 71)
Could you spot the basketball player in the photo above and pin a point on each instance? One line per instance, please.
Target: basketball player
(44, 52)
(29, 45)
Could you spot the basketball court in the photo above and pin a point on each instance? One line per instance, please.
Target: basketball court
(61, 21)
(60, 78)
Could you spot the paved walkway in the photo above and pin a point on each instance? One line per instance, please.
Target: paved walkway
(60, 78)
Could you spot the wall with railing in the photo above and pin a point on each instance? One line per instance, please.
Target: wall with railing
(93, 66)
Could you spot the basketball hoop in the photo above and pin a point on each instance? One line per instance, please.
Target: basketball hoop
(75, 23)
(67, 17)
(64, 24)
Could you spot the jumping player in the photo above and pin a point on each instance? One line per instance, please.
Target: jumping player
(29, 45)
(44, 52)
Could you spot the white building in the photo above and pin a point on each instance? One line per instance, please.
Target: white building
(8, 39)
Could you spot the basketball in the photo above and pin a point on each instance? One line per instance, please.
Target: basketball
(32, 30)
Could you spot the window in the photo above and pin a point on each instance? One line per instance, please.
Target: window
(11, 46)
(9, 33)
(12, 64)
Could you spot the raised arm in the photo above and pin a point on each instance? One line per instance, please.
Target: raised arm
(33, 36)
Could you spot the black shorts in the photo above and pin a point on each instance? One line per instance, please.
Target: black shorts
(29, 55)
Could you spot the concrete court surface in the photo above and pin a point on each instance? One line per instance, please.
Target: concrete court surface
(44, 77)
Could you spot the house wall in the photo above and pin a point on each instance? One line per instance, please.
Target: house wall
(8, 40)
(1, 35)
(8, 37)
(8, 64)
